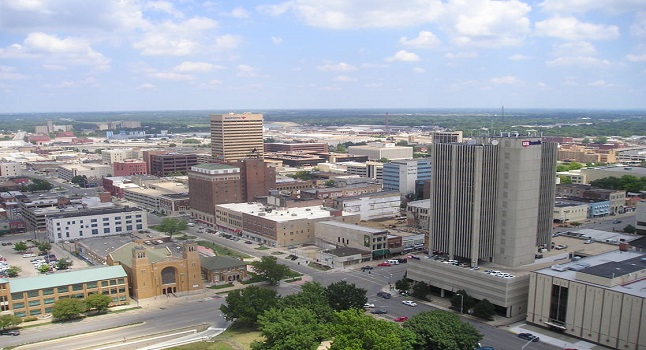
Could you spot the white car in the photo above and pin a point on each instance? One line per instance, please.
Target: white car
(368, 305)
(409, 303)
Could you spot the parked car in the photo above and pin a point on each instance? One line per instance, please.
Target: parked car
(401, 319)
(378, 311)
(13, 332)
(409, 303)
(384, 295)
(364, 268)
(617, 222)
(413, 257)
(587, 241)
(368, 306)
(528, 336)
(384, 264)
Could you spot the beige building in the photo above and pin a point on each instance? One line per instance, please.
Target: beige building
(236, 136)
(608, 171)
(333, 234)
(600, 299)
(110, 156)
(279, 227)
(155, 270)
(10, 169)
(566, 211)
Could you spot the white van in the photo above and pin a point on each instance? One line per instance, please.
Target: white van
(392, 262)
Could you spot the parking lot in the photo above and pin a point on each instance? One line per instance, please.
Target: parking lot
(25, 263)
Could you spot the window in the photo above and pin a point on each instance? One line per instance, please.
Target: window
(63, 289)
(33, 294)
(18, 305)
(106, 230)
(117, 229)
(129, 228)
(106, 219)
(49, 301)
(48, 291)
(34, 303)
(93, 220)
(20, 314)
(77, 287)
(91, 285)
(140, 226)
(34, 312)
(95, 231)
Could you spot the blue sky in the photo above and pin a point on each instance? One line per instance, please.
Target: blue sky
(105, 55)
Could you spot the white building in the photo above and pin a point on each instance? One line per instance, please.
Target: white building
(10, 169)
(640, 217)
(373, 170)
(70, 226)
(91, 171)
(371, 206)
(378, 150)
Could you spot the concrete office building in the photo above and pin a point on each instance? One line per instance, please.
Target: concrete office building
(371, 206)
(104, 222)
(110, 156)
(597, 173)
(600, 299)
(616, 198)
(640, 217)
(492, 201)
(90, 171)
(406, 176)
(372, 170)
(211, 184)
(171, 163)
(446, 136)
(236, 136)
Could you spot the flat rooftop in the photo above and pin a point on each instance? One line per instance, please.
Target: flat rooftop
(281, 214)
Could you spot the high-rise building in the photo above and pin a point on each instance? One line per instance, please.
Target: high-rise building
(446, 136)
(257, 178)
(212, 184)
(492, 200)
(236, 136)
(406, 176)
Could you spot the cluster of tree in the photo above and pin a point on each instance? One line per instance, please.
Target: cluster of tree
(37, 185)
(71, 308)
(171, 226)
(569, 166)
(191, 141)
(9, 321)
(484, 309)
(629, 183)
(302, 175)
(305, 319)
(269, 270)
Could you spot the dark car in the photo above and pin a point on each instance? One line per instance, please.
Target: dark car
(364, 268)
(528, 336)
(384, 295)
(13, 332)
(378, 311)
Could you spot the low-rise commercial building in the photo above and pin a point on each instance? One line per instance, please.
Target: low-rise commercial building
(371, 206)
(90, 171)
(379, 150)
(223, 269)
(85, 224)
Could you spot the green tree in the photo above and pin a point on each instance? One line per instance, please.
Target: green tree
(353, 330)
(403, 284)
(462, 299)
(172, 226)
(311, 296)
(98, 302)
(303, 175)
(484, 309)
(245, 305)
(329, 183)
(402, 143)
(585, 141)
(9, 321)
(384, 160)
(442, 330)
(268, 269)
(565, 179)
(68, 308)
(289, 329)
(600, 140)
(44, 246)
(20, 247)
(13, 271)
(80, 180)
(342, 296)
(420, 290)
(340, 148)
(191, 141)
(630, 229)
(44, 268)
(63, 264)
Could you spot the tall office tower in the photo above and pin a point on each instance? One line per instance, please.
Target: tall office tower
(212, 184)
(446, 136)
(492, 200)
(236, 136)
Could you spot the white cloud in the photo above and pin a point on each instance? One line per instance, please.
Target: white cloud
(239, 12)
(9, 73)
(636, 58)
(146, 86)
(28, 5)
(578, 48)
(403, 56)
(276, 40)
(578, 61)
(89, 81)
(331, 88)
(424, 40)
(487, 23)
(579, 6)
(211, 84)
(570, 28)
(228, 42)
(541, 85)
(341, 14)
(338, 67)
(601, 83)
(518, 57)
(247, 71)
(175, 38)
(189, 66)
(460, 55)
(638, 28)
(419, 70)
(345, 78)
(57, 51)
(163, 6)
(505, 80)
(170, 76)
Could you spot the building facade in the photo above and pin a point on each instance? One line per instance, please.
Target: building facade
(236, 136)
(376, 151)
(10, 169)
(105, 222)
(211, 184)
(129, 167)
(371, 206)
(406, 176)
(171, 163)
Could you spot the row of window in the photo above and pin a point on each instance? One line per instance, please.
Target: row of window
(48, 310)
(104, 219)
(66, 289)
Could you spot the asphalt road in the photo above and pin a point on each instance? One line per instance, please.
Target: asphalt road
(175, 314)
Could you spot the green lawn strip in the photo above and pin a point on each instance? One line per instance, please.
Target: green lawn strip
(228, 285)
(220, 250)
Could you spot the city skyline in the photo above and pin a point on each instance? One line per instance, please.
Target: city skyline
(64, 56)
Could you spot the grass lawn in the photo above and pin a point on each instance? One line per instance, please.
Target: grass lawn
(220, 250)
(262, 247)
(235, 338)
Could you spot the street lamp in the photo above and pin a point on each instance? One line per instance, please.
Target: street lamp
(461, 301)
